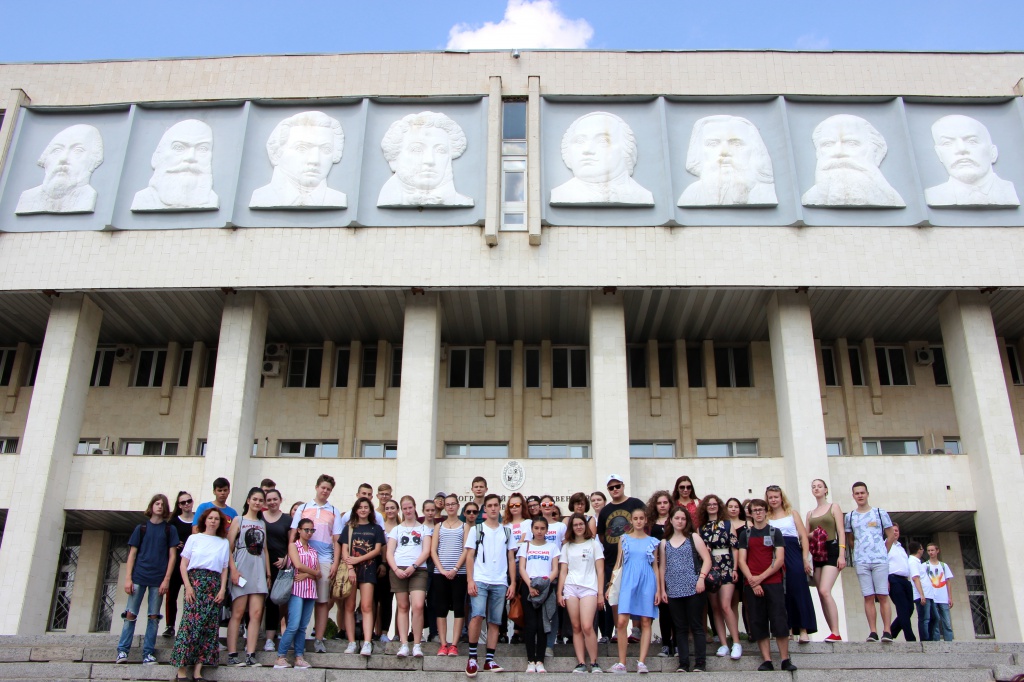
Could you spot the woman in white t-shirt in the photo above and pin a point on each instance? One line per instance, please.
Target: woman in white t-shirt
(538, 569)
(551, 512)
(408, 550)
(515, 519)
(581, 587)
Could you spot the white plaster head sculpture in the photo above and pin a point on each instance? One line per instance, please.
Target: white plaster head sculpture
(965, 148)
(849, 151)
(68, 162)
(600, 150)
(182, 171)
(303, 149)
(732, 163)
(420, 149)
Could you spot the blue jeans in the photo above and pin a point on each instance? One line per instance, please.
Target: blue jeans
(488, 602)
(152, 622)
(924, 619)
(299, 612)
(940, 623)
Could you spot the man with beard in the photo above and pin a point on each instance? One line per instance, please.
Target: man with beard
(420, 149)
(302, 148)
(965, 148)
(182, 171)
(849, 152)
(67, 162)
(732, 163)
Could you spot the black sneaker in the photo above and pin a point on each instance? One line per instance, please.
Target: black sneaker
(787, 665)
(886, 636)
(873, 637)
(502, 639)
(233, 660)
(765, 667)
(251, 662)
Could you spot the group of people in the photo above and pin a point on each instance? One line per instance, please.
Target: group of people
(608, 562)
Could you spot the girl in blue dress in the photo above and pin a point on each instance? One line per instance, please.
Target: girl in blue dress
(639, 593)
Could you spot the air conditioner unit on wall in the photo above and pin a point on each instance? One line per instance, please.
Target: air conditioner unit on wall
(271, 368)
(275, 350)
(924, 356)
(124, 353)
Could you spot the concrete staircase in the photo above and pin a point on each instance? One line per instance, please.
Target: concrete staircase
(90, 657)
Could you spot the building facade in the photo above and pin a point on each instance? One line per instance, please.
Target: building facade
(573, 284)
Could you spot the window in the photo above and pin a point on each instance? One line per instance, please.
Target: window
(939, 366)
(532, 373)
(88, 447)
(476, 450)
(150, 369)
(636, 366)
(732, 367)
(380, 450)
(396, 367)
(304, 366)
(8, 446)
(892, 366)
(504, 368)
(737, 448)
(184, 367)
(828, 363)
(648, 450)
(466, 368)
(37, 353)
(341, 368)
(558, 451)
(952, 446)
(60, 605)
(569, 367)
(513, 166)
(1011, 354)
(102, 367)
(135, 448)
(695, 366)
(856, 373)
(892, 446)
(6, 365)
(834, 447)
(117, 554)
(368, 375)
(667, 366)
(210, 371)
(295, 448)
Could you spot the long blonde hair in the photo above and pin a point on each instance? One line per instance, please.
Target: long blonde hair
(786, 506)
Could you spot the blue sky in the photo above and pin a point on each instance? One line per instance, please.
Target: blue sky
(57, 30)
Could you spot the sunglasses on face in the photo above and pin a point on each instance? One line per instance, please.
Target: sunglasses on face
(184, 501)
(547, 505)
(305, 530)
(615, 486)
(514, 505)
(686, 487)
(472, 511)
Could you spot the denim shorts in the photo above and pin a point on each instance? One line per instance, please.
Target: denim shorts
(489, 601)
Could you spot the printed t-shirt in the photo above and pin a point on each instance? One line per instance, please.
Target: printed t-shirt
(326, 524)
(520, 531)
(761, 545)
(612, 523)
(151, 559)
(409, 542)
(555, 534)
(364, 538)
(203, 506)
(490, 565)
(936, 577)
(581, 558)
(868, 535)
(539, 560)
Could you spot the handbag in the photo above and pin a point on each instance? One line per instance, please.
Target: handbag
(515, 610)
(341, 586)
(713, 579)
(817, 544)
(612, 598)
(281, 591)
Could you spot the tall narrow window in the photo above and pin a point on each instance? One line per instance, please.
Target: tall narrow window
(396, 367)
(856, 373)
(466, 368)
(102, 367)
(569, 367)
(1015, 374)
(369, 371)
(828, 364)
(636, 365)
(513, 166)
(304, 366)
(892, 366)
(341, 368)
(732, 367)
(6, 365)
(667, 366)
(504, 368)
(150, 370)
(532, 373)
(695, 366)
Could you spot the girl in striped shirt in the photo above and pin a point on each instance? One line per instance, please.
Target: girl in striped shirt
(300, 609)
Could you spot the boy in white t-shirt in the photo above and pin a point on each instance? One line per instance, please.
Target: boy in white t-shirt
(938, 575)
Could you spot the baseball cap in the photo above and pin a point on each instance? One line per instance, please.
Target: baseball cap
(614, 477)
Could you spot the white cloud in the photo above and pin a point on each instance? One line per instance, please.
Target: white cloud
(527, 24)
(812, 41)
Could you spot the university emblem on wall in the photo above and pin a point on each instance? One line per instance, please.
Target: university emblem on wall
(513, 475)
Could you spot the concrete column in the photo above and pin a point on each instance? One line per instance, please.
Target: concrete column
(186, 439)
(798, 404)
(355, 364)
(654, 377)
(533, 198)
(417, 413)
(327, 381)
(518, 444)
(609, 402)
(22, 366)
(381, 378)
(35, 523)
(853, 442)
(15, 101)
(687, 444)
(545, 378)
(823, 392)
(170, 376)
(236, 392)
(710, 376)
(989, 438)
(490, 375)
(92, 560)
(492, 212)
(869, 365)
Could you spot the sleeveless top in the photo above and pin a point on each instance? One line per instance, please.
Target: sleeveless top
(680, 576)
(786, 525)
(449, 547)
(826, 521)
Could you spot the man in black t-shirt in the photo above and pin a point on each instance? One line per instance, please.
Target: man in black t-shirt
(613, 522)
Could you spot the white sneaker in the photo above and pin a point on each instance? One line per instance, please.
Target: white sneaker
(403, 651)
(540, 668)
(269, 645)
(723, 651)
(367, 649)
(417, 651)
(737, 651)
(641, 667)
(351, 648)
(531, 668)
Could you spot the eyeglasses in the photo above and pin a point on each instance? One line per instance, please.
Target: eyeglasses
(184, 501)
(514, 505)
(615, 486)
(759, 510)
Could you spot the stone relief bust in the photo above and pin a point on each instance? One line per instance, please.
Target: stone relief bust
(420, 149)
(732, 163)
(303, 149)
(849, 151)
(68, 162)
(600, 150)
(182, 177)
(965, 148)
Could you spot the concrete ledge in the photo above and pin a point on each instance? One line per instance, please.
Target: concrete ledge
(267, 674)
(899, 661)
(56, 653)
(870, 648)
(45, 671)
(325, 661)
(132, 671)
(973, 647)
(906, 675)
(1005, 673)
(61, 639)
(12, 654)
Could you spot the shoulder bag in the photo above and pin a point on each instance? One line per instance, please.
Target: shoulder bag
(341, 586)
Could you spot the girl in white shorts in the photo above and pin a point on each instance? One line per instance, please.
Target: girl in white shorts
(581, 587)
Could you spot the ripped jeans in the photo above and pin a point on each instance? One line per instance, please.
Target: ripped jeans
(152, 622)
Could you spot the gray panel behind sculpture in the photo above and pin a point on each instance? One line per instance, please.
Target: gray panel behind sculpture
(897, 166)
(35, 131)
(148, 128)
(645, 120)
(256, 169)
(1003, 122)
(469, 169)
(768, 117)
